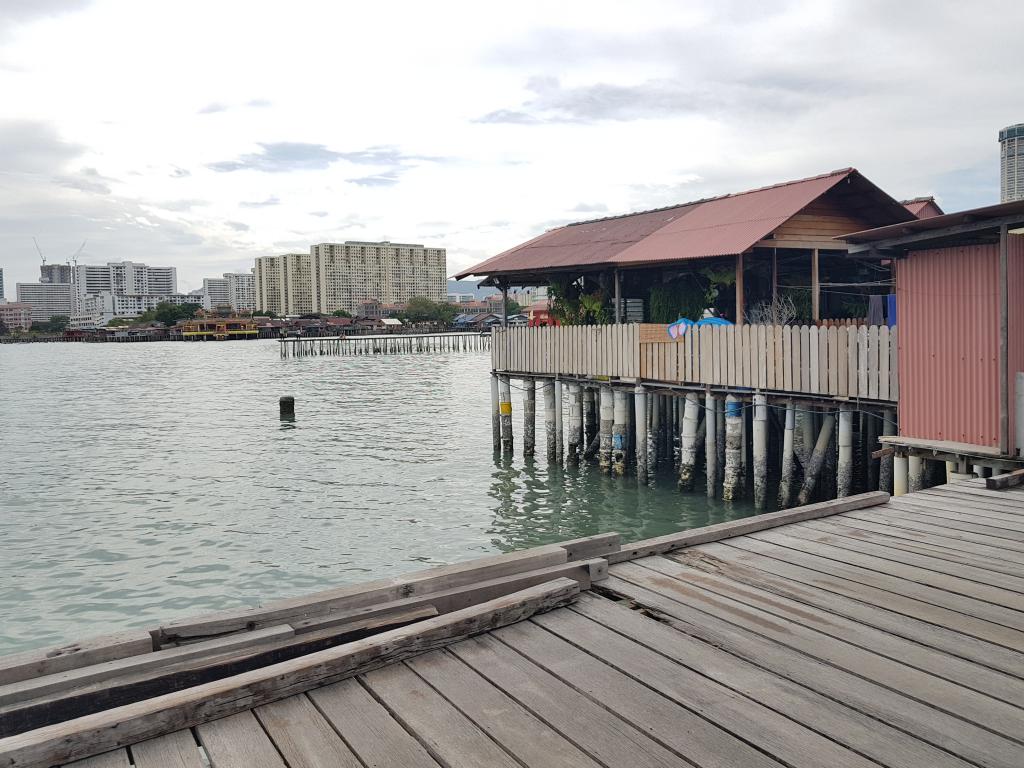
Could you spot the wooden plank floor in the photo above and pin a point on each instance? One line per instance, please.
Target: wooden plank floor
(887, 636)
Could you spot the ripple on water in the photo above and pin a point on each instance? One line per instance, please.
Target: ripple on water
(143, 482)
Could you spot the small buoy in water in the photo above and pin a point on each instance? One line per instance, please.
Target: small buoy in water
(287, 405)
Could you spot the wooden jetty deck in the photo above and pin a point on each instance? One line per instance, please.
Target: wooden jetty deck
(865, 631)
(386, 344)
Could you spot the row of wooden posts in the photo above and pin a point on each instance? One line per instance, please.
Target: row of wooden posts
(393, 344)
(813, 450)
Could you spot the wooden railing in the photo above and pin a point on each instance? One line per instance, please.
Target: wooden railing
(849, 361)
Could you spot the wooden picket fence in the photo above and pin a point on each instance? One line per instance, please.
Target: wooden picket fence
(846, 361)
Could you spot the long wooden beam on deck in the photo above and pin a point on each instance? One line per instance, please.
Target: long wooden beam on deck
(747, 525)
(122, 726)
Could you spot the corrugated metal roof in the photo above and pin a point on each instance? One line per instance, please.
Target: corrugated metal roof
(716, 226)
(922, 207)
(985, 213)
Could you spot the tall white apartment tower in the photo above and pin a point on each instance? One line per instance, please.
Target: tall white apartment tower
(345, 274)
(122, 278)
(284, 284)
(1011, 163)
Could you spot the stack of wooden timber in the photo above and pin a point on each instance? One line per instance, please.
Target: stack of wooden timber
(60, 704)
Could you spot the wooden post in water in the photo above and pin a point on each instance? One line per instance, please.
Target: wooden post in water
(786, 477)
(759, 427)
(548, 388)
(688, 450)
(640, 419)
(844, 472)
(731, 485)
(813, 467)
(607, 420)
(495, 413)
(559, 433)
(529, 417)
(710, 442)
(885, 466)
(505, 405)
(654, 433)
(620, 431)
(589, 416)
(575, 424)
(286, 405)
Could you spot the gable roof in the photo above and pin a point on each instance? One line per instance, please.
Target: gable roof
(718, 226)
(923, 207)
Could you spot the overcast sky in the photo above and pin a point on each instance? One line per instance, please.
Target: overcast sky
(200, 134)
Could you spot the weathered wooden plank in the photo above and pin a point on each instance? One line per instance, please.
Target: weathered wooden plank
(977, 496)
(303, 736)
(117, 727)
(55, 659)
(772, 359)
(762, 356)
(590, 725)
(952, 514)
(873, 367)
(64, 681)
(906, 516)
(861, 359)
(506, 721)
(956, 585)
(802, 339)
(879, 701)
(883, 363)
(175, 750)
(238, 741)
(813, 345)
(843, 374)
(787, 358)
(834, 354)
(993, 614)
(447, 733)
(845, 725)
(917, 672)
(894, 379)
(720, 531)
(748, 722)
(901, 616)
(115, 759)
(1006, 480)
(823, 359)
(368, 728)
(360, 595)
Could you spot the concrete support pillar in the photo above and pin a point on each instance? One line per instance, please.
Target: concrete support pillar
(620, 431)
(529, 417)
(915, 474)
(575, 424)
(760, 454)
(559, 432)
(805, 422)
(589, 415)
(720, 418)
(899, 474)
(640, 419)
(607, 419)
(548, 390)
(786, 473)
(711, 442)
(505, 406)
(495, 413)
(828, 424)
(886, 470)
(688, 451)
(733, 477)
(844, 471)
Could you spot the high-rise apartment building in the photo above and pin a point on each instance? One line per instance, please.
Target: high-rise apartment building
(123, 278)
(284, 284)
(241, 290)
(55, 273)
(214, 292)
(345, 274)
(3, 296)
(1011, 163)
(47, 299)
(98, 309)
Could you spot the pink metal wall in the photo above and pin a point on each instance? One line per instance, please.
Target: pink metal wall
(948, 335)
(1015, 358)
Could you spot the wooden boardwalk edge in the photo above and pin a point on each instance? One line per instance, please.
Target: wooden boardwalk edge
(747, 525)
(94, 734)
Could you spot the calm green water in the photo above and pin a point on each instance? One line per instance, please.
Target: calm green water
(140, 482)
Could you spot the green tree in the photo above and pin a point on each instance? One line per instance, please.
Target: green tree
(341, 313)
(264, 313)
(168, 313)
(514, 307)
(420, 309)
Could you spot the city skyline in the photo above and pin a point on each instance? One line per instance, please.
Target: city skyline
(491, 133)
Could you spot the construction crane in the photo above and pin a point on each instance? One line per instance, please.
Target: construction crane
(74, 256)
(39, 250)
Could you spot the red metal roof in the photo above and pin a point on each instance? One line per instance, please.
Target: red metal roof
(716, 226)
(922, 207)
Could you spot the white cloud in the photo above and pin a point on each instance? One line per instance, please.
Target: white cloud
(184, 133)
